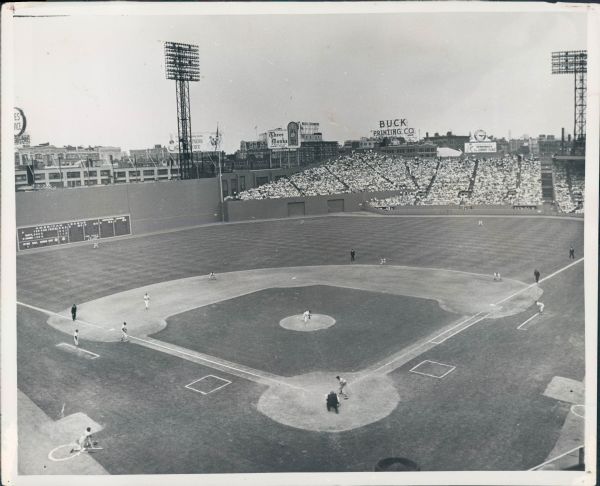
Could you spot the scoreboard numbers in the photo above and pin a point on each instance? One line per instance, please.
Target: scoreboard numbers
(51, 234)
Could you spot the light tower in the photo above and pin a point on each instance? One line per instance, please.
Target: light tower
(182, 64)
(567, 62)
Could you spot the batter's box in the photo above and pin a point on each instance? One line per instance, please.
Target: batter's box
(208, 384)
(433, 369)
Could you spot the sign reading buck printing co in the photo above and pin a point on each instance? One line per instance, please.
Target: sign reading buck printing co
(396, 127)
(20, 122)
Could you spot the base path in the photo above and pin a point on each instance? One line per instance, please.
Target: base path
(300, 401)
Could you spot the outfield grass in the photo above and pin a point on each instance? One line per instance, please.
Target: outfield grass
(489, 413)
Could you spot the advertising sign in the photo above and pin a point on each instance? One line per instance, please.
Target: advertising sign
(480, 147)
(293, 135)
(284, 138)
(396, 127)
(20, 122)
(277, 139)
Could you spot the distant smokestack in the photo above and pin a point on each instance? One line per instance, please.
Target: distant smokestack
(562, 141)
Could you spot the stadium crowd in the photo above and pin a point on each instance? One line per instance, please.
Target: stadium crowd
(569, 187)
(486, 181)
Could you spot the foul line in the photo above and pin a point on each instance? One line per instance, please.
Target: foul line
(556, 458)
(435, 339)
(78, 349)
(521, 325)
(62, 316)
(216, 363)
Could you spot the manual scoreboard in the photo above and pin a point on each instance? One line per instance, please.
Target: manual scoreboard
(72, 231)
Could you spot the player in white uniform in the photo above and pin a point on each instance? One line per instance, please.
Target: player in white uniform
(76, 337)
(540, 306)
(343, 384)
(146, 300)
(124, 337)
(306, 316)
(84, 442)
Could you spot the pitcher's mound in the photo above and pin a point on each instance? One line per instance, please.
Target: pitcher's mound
(316, 322)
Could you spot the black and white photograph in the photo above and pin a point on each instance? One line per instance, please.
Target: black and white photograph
(299, 243)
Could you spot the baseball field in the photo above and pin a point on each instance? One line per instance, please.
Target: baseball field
(446, 367)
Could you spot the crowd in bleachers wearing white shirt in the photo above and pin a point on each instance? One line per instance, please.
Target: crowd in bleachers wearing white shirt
(358, 172)
(452, 178)
(318, 181)
(568, 199)
(529, 191)
(360, 176)
(422, 170)
(279, 188)
(497, 180)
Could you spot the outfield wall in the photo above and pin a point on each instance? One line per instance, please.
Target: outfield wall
(313, 205)
(153, 206)
(319, 205)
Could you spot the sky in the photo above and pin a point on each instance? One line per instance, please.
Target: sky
(100, 80)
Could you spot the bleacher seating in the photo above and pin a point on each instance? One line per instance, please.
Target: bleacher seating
(494, 181)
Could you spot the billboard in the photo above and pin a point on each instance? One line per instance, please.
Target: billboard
(20, 122)
(480, 147)
(395, 128)
(280, 138)
(480, 143)
(293, 135)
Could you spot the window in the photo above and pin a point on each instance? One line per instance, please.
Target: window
(121, 174)
(21, 178)
(105, 173)
(163, 171)
(225, 190)
(92, 182)
(148, 172)
(242, 183)
(93, 173)
(40, 177)
(234, 186)
(262, 180)
(54, 176)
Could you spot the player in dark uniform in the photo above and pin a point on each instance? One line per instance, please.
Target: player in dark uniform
(571, 253)
(333, 402)
(74, 311)
(352, 255)
(536, 274)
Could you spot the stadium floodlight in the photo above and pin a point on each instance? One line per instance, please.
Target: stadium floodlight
(575, 62)
(182, 64)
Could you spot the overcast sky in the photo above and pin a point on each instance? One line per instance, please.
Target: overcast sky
(100, 80)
